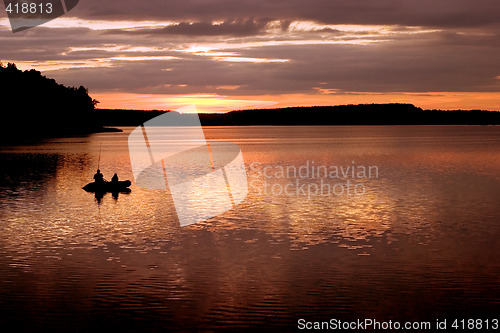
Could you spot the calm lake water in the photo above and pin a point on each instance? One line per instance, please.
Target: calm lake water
(417, 241)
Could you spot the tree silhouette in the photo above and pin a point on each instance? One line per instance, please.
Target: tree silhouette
(35, 106)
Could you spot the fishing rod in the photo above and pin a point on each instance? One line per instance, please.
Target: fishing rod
(99, 160)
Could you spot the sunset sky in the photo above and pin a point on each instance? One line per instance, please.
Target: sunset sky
(233, 54)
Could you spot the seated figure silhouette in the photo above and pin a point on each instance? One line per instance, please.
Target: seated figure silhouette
(100, 186)
(98, 177)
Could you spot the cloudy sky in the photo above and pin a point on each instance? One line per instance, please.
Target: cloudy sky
(232, 54)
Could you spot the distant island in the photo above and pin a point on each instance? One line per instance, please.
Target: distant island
(34, 106)
(361, 114)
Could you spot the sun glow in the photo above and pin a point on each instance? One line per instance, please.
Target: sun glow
(205, 103)
(215, 103)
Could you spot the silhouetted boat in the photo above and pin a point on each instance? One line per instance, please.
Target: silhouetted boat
(113, 187)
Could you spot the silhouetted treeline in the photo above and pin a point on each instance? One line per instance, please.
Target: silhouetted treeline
(34, 106)
(125, 117)
(362, 114)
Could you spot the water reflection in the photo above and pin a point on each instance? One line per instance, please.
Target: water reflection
(100, 195)
(424, 234)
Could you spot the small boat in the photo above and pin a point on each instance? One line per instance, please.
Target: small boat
(104, 187)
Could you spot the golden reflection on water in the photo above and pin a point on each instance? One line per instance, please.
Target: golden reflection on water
(419, 183)
(424, 235)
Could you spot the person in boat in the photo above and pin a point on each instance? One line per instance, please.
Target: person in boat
(98, 177)
(115, 178)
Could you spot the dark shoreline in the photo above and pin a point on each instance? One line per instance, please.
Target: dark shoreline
(364, 114)
(342, 115)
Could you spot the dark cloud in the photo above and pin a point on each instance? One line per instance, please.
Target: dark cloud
(414, 65)
(240, 28)
(460, 55)
(442, 13)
